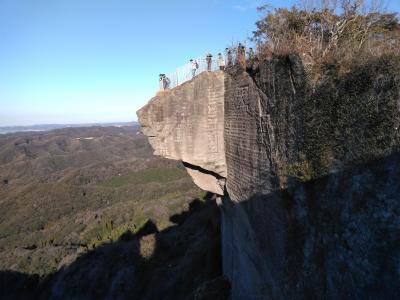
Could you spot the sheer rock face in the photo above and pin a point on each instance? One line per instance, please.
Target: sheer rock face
(312, 210)
(186, 123)
(311, 205)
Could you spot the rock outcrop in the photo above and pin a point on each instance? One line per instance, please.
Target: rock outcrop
(311, 201)
(187, 123)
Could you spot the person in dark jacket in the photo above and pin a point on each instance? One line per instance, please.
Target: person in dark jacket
(167, 82)
(241, 55)
(209, 61)
(229, 57)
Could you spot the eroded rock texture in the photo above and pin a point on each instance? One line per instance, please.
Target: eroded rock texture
(186, 123)
(262, 130)
(311, 204)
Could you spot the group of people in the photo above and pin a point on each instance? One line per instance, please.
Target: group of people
(164, 82)
(240, 55)
(195, 64)
(227, 60)
(223, 60)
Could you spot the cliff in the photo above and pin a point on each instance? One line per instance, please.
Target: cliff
(187, 123)
(308, 174)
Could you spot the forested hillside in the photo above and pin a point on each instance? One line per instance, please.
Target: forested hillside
(67, 191)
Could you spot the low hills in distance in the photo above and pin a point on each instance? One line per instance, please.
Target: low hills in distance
(47, 127)
(93, 208)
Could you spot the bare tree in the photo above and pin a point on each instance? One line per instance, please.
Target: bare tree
(329, 30)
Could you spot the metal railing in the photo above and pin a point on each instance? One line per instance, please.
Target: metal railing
(185, 73)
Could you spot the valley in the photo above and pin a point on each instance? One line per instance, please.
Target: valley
(67, 191)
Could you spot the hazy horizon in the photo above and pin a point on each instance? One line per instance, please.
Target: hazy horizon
(50, 127)
(70, 124)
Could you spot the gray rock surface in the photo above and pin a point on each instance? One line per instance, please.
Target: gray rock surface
(311, 204)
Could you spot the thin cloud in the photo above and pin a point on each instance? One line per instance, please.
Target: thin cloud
(247, 5)
(240, 7)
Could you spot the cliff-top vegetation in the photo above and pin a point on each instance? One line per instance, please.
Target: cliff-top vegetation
(342, 58)
(328, 32)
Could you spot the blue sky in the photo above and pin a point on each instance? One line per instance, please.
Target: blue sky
(77, 61)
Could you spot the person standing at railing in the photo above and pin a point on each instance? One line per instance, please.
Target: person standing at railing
(251, 54)
(195, 66)
(209, 60)
(229, 57)
(161, 82)
(241, 55)
(221, 62)
(166, 82)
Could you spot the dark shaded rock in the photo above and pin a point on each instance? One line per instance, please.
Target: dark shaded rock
(14, 285)
(216, 289)
(311, 204)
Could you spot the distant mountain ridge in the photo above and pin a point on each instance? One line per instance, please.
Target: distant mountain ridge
(47, 127)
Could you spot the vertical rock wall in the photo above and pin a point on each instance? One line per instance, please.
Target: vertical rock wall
(263, 125)
(311, 204)
(254, 217)
(311, 210)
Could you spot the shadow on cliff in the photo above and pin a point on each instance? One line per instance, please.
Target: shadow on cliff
(335, 237)
(180, 262)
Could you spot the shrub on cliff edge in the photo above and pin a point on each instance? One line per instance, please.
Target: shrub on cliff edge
(344, 34)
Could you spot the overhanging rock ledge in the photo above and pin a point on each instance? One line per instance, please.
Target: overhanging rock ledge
(187, 124)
